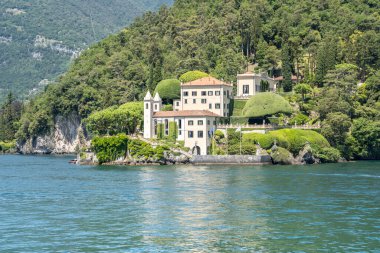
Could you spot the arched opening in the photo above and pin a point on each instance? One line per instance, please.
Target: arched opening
(196, 150)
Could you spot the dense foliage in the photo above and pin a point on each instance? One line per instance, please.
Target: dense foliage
(38, 38)
(291, 139)
(115, 120)
(10, 113)
(168, 90)
(110, 148)
(265, 104)
(192, 75)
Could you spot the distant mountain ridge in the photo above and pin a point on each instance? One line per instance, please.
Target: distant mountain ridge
(38, 38)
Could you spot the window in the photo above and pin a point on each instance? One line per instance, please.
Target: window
(166, 127)
(177, 103)
(209, 106)
(179, 132)
(215, 122)
(200, 134)
(194, 101)
(210, 93)
(217, 93)
(228, 106)
(257, 87)
(204, 101)
(185, 93)
(180, 124)
(228, 93)
(208, 122)
(200, 122)
(155, 107)
(245, 89)
(224, 93)
(190, 122)
(146, 106)
(194, 93)
(217, 106)
(203, 93)
(224, 106)
(185, 101)
(190, 134)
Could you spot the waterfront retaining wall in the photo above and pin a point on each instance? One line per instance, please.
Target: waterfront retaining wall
(231, 159)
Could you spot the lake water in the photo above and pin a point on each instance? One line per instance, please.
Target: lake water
(47, 205)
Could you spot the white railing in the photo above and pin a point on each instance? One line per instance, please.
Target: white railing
(267, 126)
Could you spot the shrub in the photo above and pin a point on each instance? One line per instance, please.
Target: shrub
(238, 106)
(7, 146)
(173, 131)
(266, 104)
(299, 119)
(295, 139)
(169, 89)
(328, 155)
(160, 131)
(246, 149)
(265, 140)
(167, 108)
(192, 75)
(282, 156)
(108, 149)
(218, 135)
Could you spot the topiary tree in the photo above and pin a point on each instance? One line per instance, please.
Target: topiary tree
(168, 89)
(192, 75)
(266, 104)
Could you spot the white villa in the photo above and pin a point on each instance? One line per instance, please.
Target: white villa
(248, 84)
(202, 102)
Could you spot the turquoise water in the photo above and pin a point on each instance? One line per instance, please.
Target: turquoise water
(47, 205)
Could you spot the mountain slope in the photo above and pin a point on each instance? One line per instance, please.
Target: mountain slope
(38, 38)
(218, 37)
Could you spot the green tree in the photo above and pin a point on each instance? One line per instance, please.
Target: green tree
(286, 68)
(326, 59)
(303, 89)
(336, 129)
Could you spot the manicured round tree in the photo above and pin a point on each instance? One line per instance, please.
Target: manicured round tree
(169, 89)
(192, 75)
(266, 104)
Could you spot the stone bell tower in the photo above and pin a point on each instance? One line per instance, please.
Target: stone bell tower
(148, 116)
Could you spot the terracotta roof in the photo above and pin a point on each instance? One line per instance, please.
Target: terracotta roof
(186, 113)
(280, 78)
(206, 81)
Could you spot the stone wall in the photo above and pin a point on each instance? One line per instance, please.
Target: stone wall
(232, 159)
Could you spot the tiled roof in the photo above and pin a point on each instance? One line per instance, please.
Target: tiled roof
(206, 81)
(186, 113)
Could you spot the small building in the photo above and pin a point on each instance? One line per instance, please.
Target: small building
(249, 84)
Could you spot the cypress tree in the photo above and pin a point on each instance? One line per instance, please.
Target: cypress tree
(326, 59)
(286, 68)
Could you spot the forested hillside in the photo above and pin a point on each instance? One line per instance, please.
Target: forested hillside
(307, 38)
(38, 38)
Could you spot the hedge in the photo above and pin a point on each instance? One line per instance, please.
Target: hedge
(192, 75)
(295, 139)
(266, 104)
(266, 141)
(169, 89)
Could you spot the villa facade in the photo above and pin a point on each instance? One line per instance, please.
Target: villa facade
(195, 114)
(249, 84)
